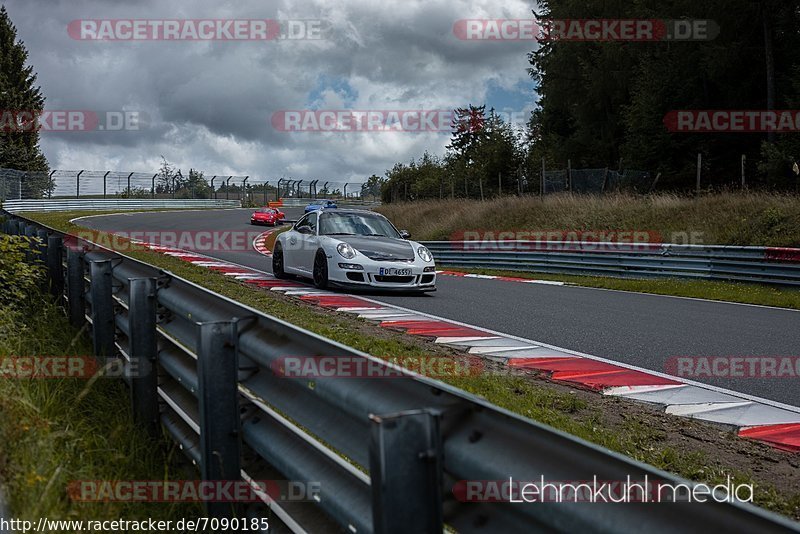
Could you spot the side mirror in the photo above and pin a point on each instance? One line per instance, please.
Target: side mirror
(404, 234)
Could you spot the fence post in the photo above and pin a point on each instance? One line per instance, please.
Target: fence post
(153, 186)
(104, 183)
(55, 251)
(213, 191)
(542, 183)
(218, 394)
(744, 160)
(244, 189)
(569, 175)
(699, 165)
(228, 188)
(143, 351)
(499, 184)
(102, 309)
(345, 192)
(405, 464)
(480, 185)
(50, 185)
(75, 286)
(129, 185)
(77, 185)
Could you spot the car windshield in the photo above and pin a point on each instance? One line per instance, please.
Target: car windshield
(266, 210)
(366, 224)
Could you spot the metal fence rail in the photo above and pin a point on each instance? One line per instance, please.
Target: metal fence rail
(20, 185)
(772, 265)
(114, 204)
(386, 453)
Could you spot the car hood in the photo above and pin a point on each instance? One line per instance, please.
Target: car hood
(380, 248)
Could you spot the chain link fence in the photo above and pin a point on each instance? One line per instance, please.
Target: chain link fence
(595, 181)
(250, 190)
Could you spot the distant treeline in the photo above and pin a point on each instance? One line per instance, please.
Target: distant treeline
(605, 104)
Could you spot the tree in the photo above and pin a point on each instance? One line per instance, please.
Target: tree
(18, 93)
(371, 187)
(166, 174)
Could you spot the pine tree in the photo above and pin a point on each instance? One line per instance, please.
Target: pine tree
(18, 92)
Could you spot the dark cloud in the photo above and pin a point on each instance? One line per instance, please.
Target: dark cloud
(210, 103)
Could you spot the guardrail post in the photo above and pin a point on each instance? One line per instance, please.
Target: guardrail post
(75, 286)
(55, 252)
(30, 234)
(102, 309)
(143, 351)
(41, 247)
(218, 394)
(406, 472)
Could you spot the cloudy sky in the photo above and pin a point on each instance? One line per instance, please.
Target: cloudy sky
(209, 104)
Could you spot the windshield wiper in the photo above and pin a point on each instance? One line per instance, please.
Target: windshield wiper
(340, 233)
(375, 235)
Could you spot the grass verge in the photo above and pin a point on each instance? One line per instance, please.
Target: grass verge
(59, 430)
(733, 218)
(685, 447)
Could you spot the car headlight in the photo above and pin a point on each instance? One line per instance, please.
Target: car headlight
(425, 254)
(346, 251)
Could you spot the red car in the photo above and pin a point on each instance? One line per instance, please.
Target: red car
(269, 216)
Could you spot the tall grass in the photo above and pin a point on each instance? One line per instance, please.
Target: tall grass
(58, 430)
(730, 218)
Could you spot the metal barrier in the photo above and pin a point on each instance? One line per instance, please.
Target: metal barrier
(388, 454)
(115, 204)
(300, 202)
(772, 265)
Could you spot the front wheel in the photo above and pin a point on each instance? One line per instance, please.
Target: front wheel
(321, 270)
(277, 262)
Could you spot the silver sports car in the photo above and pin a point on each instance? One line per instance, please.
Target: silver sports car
(353, 248)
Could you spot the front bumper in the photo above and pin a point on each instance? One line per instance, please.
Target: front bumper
(370, 277)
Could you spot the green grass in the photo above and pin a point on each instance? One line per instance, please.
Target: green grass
(763, 295)
(634, 435)
(58, 430)
(734, 218)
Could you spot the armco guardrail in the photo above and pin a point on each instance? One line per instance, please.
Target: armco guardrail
(386, 453)
(14, 206)
(771, 265)
(299, 202)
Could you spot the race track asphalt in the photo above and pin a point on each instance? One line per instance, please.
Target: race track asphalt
(634, 328)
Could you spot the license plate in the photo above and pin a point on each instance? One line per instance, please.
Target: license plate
(392, 271)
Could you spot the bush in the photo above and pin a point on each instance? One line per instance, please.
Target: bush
(18, 279)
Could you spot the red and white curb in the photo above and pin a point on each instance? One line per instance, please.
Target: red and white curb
(756, 418)
(260, 243)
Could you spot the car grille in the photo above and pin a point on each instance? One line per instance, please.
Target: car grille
(393, 279)
(426, 279)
